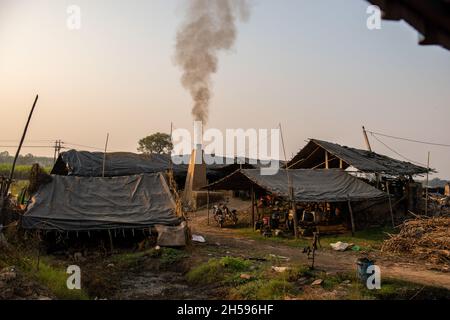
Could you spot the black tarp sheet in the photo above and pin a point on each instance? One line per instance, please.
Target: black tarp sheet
(92, 203)
(308, 185)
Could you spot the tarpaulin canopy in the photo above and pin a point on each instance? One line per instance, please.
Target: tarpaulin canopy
(309, 185)
(313, 156)
(90, 203)
(90, 164)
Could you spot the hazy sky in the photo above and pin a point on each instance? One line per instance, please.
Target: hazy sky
(308, 64)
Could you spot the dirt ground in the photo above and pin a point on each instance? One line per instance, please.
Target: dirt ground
(229, 241)
(161, 274)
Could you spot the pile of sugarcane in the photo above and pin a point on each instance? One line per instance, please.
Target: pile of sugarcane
(426, 238)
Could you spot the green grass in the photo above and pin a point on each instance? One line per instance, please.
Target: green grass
(266, 284)
(49, 275)
(21, 172)
(394, 289)
(128, 260)
(263, 289)
(369, 239)
(21, 176)
(166, 256)
(55, 279)
(171, 256)
(224, 270)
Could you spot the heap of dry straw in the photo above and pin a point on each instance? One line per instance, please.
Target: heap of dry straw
(425, 238)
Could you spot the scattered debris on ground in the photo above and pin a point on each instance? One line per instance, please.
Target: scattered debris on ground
(341, 246)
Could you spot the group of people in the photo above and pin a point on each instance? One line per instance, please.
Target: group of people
(278, 213)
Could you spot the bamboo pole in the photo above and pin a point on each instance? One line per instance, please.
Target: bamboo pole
(351, 216)
(253, 208)
(207, 203)
(104, 155)
(11, 175)
(290, 188)
(390, 205)
(426, 186)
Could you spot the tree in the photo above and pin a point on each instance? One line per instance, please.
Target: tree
(156, 143)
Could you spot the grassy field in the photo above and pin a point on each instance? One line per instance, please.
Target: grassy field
(250, 280)
(21, 176)
(369, 239)
(48, 275)
(21, 172)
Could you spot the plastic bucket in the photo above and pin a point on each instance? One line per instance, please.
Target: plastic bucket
(362, 265)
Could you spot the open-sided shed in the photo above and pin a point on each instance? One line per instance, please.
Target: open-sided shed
(322, 154)
(308, 185)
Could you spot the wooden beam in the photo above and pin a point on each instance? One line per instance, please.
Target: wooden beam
(303, 160)
(351, 216)
(390, 204)
(327, 166)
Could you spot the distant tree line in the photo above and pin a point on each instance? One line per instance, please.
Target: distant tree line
(27, 159)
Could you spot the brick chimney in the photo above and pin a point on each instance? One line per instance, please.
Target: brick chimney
(196, 175)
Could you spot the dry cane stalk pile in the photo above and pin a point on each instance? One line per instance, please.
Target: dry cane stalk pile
(426, 238)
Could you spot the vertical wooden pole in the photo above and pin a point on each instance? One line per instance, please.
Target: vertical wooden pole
(426, 186)
(207, 203)
(327, 166)
(294, 212)
(390, 204)
(104, 155)
(253, 208)
(290, 187)
(352, 219)
(56, 150)
(111, 246)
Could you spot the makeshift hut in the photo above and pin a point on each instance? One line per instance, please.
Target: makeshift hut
(97, 164)
(319, 154)
(96, 203)
(390, 175)
(302, 186)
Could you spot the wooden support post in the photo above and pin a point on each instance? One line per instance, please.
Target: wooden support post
(110, 241)
(253, 208)
(341, 164)
(352, 219)
(207, 203)
(426, 186)
(294, 212)
(104, 155)
(390, 204)
(327, 165)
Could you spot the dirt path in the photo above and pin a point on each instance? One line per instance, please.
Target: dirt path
(229, 241)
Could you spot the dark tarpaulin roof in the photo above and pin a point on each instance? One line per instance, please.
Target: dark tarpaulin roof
(309, 185)
(90, 164)
(88, 203)
(312, 155)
